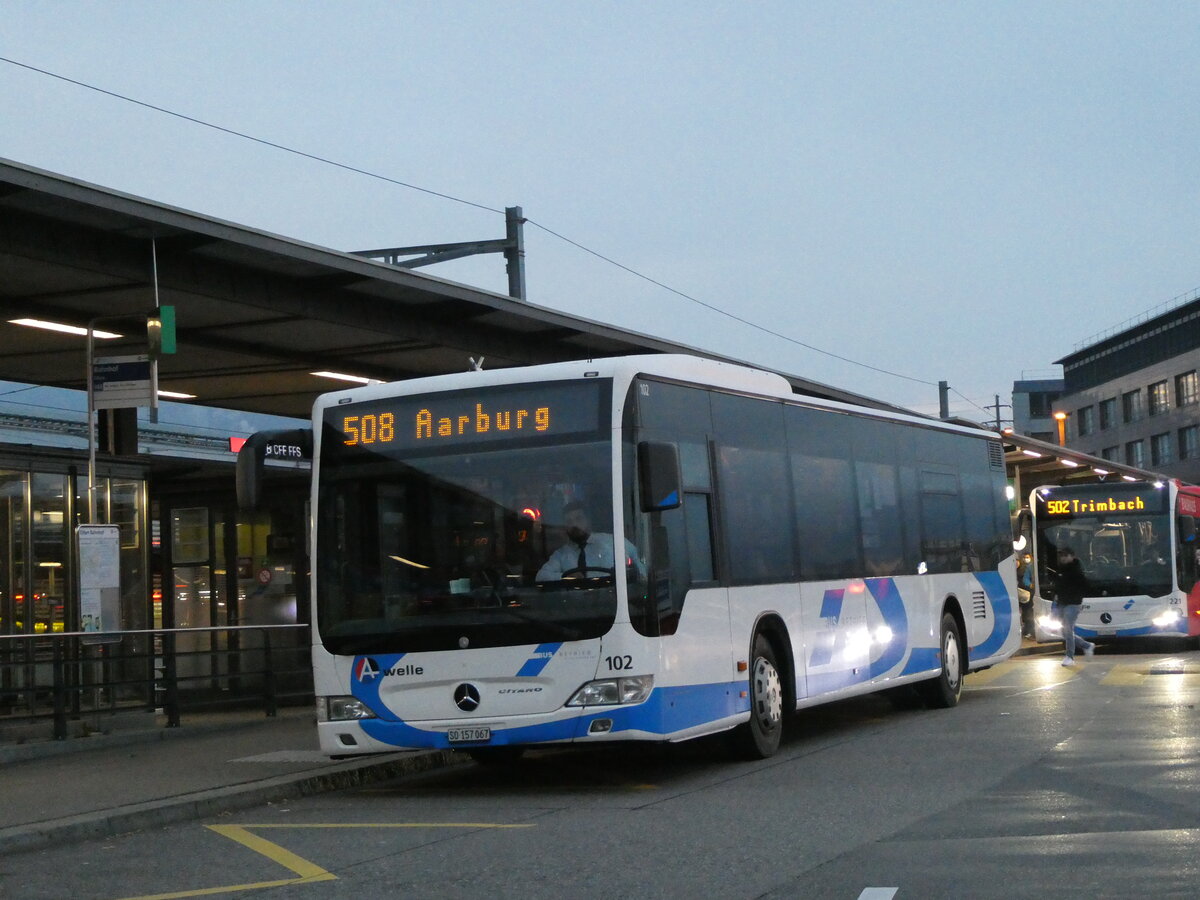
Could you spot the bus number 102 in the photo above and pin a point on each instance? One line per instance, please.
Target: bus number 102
(369, 429)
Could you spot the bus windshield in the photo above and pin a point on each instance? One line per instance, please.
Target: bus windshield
(1120, 534)
(447, 544)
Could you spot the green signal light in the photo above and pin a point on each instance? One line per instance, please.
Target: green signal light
(160, 331)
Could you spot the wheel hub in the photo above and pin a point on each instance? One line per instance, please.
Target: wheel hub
(952, 663)
(767, 695)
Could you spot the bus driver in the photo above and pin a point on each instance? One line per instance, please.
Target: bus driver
(585, 554)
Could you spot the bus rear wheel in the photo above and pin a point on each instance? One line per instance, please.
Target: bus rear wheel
(944, 691)
(759, 738)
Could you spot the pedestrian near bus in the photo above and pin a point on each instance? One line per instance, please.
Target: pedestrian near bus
(1070, 587)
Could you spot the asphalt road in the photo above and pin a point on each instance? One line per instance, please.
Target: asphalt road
(1044, 782)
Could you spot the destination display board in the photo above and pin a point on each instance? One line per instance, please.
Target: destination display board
(497, 414)
(1102, 500)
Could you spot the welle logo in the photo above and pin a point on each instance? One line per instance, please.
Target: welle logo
(366, 669)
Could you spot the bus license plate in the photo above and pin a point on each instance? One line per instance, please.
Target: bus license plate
(469, 735)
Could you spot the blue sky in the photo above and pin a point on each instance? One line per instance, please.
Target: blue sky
(941, 191)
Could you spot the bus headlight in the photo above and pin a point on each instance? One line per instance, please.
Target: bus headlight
(1167, 619)
(613, 691)
(341, 709)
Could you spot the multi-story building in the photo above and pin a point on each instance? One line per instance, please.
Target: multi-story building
(1033, 405)
(1133, 396)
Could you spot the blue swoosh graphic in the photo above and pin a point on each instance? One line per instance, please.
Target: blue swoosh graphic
(1002, 614)
(541, 656)
(891, 606)
(665, 712)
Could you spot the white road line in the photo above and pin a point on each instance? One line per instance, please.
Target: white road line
(874, 893)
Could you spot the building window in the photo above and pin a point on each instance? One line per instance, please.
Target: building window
(1160, 448)
(1041, 403)
(1110, 453)
(1131, 406)
(1189, 442)
(1135, 454)
(1108, 413)
(1158, 398)
(1085, 421)
(1187, 389)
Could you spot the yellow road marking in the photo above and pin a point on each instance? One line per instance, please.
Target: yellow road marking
(306, 872)
(1124, 675)
(1051, 672)
(271, 851)
(989, 675)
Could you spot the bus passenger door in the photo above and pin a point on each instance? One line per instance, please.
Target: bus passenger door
(684, 604)
(1187, 557)
(687, 607)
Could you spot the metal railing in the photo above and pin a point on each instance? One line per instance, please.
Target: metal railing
(1145, 316)
(64, 676)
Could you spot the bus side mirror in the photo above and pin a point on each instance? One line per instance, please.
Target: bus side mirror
(658, 474)
(293, 445)
(1187, 529)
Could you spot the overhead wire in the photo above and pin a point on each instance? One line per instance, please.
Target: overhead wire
(248, 137)
(369, 174)
(717, 309)
(28, 387)
(970, 401)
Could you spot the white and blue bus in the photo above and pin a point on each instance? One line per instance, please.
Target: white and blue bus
(1136, 543)
(775, 552)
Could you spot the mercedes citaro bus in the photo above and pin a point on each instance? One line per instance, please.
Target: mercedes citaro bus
(754, 552)
(1136, 543)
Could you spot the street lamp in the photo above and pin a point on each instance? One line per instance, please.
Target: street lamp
(1061, 418)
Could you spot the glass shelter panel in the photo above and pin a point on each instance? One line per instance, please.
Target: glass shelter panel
(13, 619)
(49, 560)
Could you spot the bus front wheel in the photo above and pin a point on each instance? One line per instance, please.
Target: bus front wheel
(944, 691)
(759, 738)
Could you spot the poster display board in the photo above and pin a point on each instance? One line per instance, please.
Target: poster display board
(99, 582)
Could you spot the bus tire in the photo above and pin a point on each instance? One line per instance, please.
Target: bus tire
(759, 738)
(944, 691)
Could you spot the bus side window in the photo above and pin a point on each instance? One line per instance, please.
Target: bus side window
(754, 490)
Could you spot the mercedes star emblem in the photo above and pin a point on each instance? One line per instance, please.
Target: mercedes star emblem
(466, 697)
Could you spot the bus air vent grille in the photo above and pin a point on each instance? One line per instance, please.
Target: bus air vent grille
(996, 455)
(979, 604)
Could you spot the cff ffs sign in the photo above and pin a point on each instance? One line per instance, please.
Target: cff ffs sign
(285, 451)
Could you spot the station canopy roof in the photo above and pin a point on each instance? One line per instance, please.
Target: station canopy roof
(256, 313)
(1032, 463)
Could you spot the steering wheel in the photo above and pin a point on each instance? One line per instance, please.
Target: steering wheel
(582, 572)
